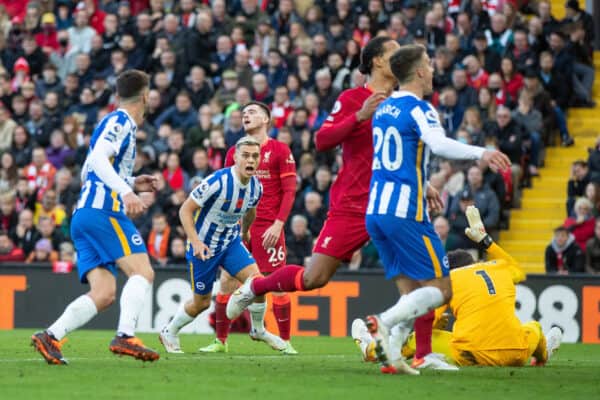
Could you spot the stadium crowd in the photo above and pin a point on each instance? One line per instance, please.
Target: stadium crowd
(505, 74)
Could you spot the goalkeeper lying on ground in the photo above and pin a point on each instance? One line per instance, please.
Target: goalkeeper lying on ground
(486, 330)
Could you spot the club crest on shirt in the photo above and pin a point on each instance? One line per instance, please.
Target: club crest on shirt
(326, 242)
(336, 107)
(267, 156)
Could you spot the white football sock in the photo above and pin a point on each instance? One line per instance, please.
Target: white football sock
(398, 336)
(257, 314)
(78, 313)
(180, 319)
(132, 302)
(412, 305)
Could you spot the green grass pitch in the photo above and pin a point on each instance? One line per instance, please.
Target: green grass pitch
(327, 368)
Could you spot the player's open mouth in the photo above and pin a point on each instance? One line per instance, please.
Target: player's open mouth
(250, 170)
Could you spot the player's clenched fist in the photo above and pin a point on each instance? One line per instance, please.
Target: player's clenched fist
(134, 206)
(370, 105)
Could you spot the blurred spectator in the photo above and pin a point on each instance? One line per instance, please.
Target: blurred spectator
(66, 253)
(510, 140)
(314, 212)
(42, 252)
(582, 223)
(8, 251)
(175, 176)
(592, 252)
(477, 77)
(24, 234)
(40, 173)
(67, 190)
(531, 119)
(574, 14)
(484, 198)
(80, 34)
(58, 150)
(555, 80)
(580, 177)
(442, 229)
(583, 65)
(9, 173)
(451, 113)
(235, 128)
(8, 213)
(563, 255)
(466, 95)
(177, 252)
(489, 59)
(198, 87)
(458, 219)
(48, 207)
(299, 241)
(281, 108)
(7, 128)
(216, 149)
(159, 239)
(453, 175)
(181, 115)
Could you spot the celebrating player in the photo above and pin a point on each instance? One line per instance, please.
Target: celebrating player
(405, 129)
(277, 174)
(210, 218)
(104, 237)
(486, 330)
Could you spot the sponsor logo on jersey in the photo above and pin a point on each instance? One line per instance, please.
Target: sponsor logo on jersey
(136, 239)
(432, 119)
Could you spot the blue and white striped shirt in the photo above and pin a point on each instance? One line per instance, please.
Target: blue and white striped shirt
(223, 201)
(116, 130)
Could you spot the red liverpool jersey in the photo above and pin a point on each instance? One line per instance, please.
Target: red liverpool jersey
(276, 162)
(349, 194)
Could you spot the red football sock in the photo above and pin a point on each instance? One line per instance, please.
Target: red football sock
(423, 330)
(282, 310)
(285, 279)
(222, 323)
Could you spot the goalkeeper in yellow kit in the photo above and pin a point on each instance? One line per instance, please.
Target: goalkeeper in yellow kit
(486, 330)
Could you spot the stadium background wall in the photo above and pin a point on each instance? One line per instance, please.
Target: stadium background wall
(32, 297)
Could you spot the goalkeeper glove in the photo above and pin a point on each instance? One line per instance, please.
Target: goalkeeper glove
(476, 231)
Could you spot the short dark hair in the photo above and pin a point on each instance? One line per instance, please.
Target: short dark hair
(131, 84)
(404, 61)
(459, 258)
(373, 49)
(260, 104)
(561, 229)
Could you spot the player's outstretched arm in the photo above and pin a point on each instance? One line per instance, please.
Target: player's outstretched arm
(434, 136)
(477, 233)
(186, 216)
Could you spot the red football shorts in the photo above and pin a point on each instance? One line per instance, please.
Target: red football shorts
(341, 236)
(268, 260)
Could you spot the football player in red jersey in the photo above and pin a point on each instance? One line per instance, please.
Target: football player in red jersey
(277, 174)
(344, 231)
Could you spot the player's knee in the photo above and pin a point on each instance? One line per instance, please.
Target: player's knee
(314, 281)
(105, 299)
(198, 305)
(228, 284)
